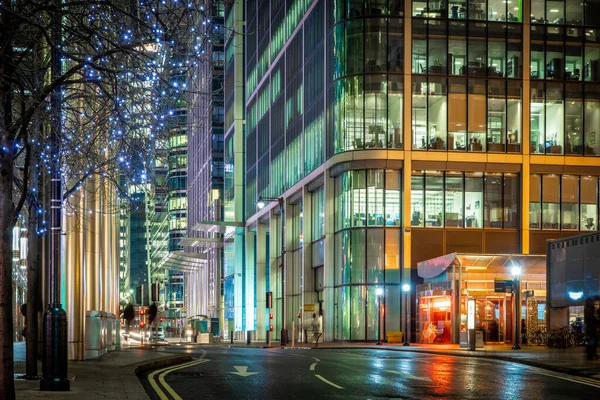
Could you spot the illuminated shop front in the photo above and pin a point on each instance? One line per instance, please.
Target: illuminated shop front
(451, 280)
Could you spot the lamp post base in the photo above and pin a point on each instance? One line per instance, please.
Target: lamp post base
(405, 344)
(516, 346)
(54, 351)
(380, 343)
(284, 337)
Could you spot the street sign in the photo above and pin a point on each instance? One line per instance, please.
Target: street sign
(309, 307)
(503, 285)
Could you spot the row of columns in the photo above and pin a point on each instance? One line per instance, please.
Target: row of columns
(90, 258)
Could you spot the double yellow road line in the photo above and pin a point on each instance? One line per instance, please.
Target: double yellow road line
(162, 373)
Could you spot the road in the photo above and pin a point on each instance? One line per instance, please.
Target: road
(249, 373)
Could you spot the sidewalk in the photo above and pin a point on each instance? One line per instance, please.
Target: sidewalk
(111, 376)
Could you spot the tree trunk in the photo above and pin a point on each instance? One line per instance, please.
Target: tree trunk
(33, 292)
(7, 383)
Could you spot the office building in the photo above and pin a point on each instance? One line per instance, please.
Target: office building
(385, 133)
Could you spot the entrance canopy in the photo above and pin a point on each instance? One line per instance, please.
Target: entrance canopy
(482, 263)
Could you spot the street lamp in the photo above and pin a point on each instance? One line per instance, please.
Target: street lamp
(261, 203)
(379, 294)
(406, 289)
(516, 272)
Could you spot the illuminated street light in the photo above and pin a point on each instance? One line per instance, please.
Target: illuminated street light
(406, 289)
(379, 294)
(261, 203)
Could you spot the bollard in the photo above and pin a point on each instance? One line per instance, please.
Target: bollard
(231, 336)
(248, 340)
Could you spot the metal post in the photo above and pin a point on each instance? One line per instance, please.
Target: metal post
(406, 320)
(54, 352)
(517, 307)
(379, 343)
(156, 316)
(284, 336)
(141, 318)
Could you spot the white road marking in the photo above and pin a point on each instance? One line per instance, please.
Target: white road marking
(242, 370)
(328, 382)
(420, 378)
(312, 366)
(316, 359)
(582, 380)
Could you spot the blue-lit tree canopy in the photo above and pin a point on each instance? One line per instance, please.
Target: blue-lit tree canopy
(108, 104)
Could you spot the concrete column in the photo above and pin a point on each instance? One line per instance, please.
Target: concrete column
(406, 241)
(309, 296)
(261, 282)
(238, 280)
(329, 312)
(249, 280)
(525, 140)
(73, 285)
(274, 273)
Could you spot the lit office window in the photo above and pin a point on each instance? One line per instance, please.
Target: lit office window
(550, 202)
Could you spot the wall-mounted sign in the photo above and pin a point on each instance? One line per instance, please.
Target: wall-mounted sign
(309, 307)
(503, 285)
(471, 314)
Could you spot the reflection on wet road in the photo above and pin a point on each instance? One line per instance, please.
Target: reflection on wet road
(247, 373)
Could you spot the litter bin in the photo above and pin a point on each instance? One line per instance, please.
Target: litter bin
(117, 336)
(110, 331)
(94, 334)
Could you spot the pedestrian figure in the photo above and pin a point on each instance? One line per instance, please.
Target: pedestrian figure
(317, 325)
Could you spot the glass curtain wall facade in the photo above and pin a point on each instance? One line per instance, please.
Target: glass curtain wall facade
(563, 202)
(455, 199)
(367, 251)
(388, 126)
(564, 71)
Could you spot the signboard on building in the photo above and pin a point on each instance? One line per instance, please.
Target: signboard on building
(503, 285)
(471, 314)
(309, 307)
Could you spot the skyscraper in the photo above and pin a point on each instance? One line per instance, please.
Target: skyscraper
(387, 133)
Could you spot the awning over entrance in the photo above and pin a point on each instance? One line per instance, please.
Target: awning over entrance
(483, 263)
(435, 266)
(207, 243)
(183, 261)
(216, 226)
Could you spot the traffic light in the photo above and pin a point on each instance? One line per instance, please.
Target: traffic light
(162, 319)
(271, 316)
(152, 311)
(141, 312)
(269, 299)
(141, 324)
(271, 328)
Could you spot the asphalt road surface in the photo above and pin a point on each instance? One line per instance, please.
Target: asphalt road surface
(249, 373)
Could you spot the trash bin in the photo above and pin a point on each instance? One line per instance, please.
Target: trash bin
(94, 333)
(103, 336)
(117, 336)
(110, 331)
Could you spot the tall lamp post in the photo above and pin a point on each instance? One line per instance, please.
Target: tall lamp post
(55, 326)
(379, 294)
(516, 272)
(261, 204)
(406, 290)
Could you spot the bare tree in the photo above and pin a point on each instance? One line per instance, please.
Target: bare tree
(104, 104)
